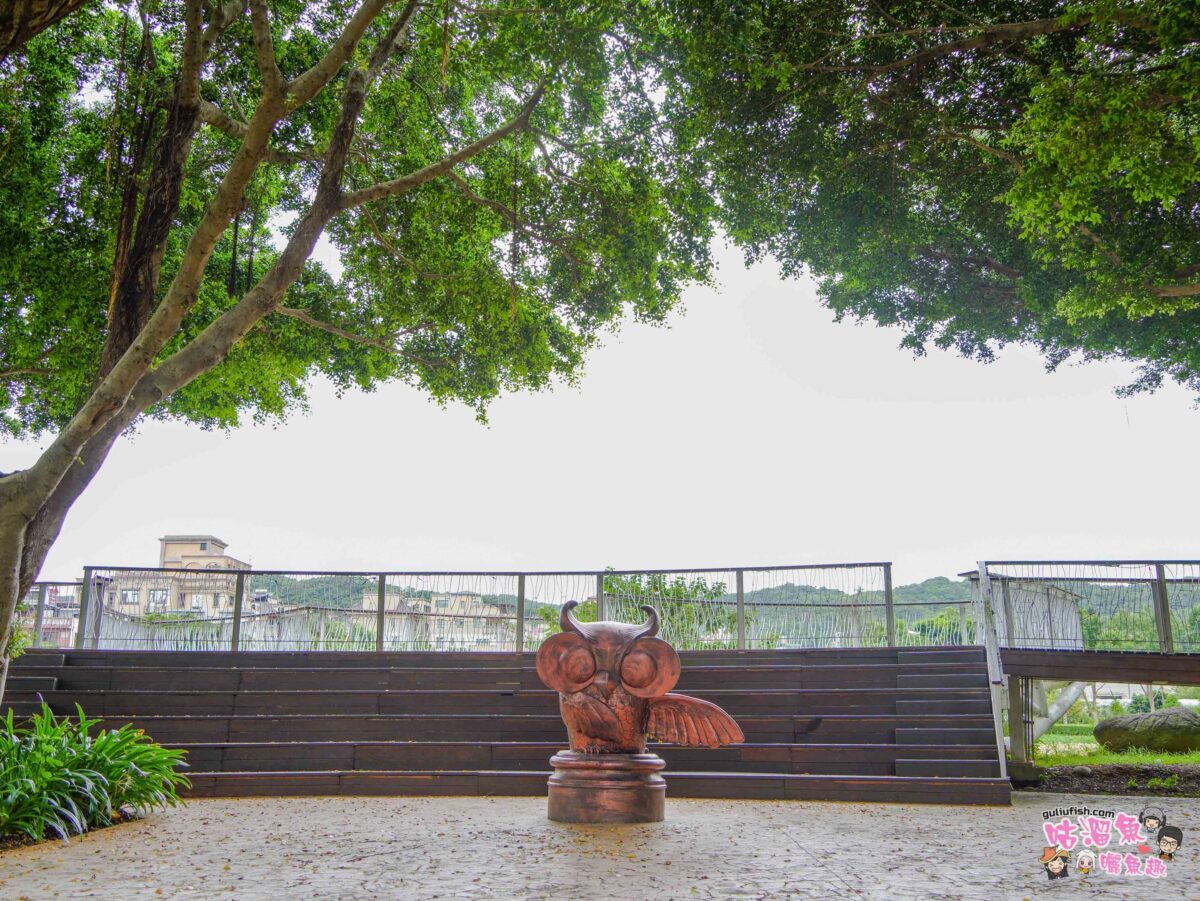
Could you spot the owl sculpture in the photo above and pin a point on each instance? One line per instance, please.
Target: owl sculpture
(614, 684)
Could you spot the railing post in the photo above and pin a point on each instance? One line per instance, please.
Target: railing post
(1016, 719)
(381, 611)
(85, 604)
(239, 596)
(741, 610)
(1009, 622)
(963, 636)
(520, 640)
(889, 605)
(98, 620)
(39, 616)
(995, 670)
(600, 611)
(1162, 610)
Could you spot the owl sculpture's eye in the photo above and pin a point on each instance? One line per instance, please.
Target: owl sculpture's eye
(650, 668)
(578, 665)
(638, 669)
(565, 662)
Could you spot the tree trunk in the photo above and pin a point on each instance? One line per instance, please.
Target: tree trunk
(21, 20)
(26, 538)
(1058, 709)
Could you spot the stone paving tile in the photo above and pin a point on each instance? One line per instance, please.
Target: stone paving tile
(368, 848)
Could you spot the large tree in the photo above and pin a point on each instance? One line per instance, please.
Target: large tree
(976, 173)
(503, 182)
(500, 182)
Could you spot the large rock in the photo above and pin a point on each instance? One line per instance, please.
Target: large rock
(1169, 729)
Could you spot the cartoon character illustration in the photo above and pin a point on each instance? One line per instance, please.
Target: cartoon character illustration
(1152, 819)
(1055, 860)
(1085, 862)
(1169, 840)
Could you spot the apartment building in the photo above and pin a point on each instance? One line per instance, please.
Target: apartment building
(202, 580)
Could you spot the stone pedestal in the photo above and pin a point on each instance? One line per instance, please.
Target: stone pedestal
(607, 788)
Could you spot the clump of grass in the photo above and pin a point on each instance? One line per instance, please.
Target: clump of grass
(1170, 782)
(1076, 755)
(57, 779)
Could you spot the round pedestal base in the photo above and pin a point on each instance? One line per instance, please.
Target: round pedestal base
(607, 788)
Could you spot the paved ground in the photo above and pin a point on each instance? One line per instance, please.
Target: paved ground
(350, 848)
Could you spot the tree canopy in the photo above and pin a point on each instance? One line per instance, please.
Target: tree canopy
(977, 174)
(504, 183)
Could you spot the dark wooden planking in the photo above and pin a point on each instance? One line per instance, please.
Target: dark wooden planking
(1102, 666)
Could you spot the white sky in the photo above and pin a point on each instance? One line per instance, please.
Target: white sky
(752, 431)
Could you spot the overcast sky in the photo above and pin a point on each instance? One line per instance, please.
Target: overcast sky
(753, 430)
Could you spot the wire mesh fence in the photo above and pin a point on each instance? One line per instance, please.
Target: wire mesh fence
(1107, 605)
(49, 614)
(1096, 605)
(837, 605)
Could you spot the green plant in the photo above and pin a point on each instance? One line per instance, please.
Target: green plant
(19, 640)
(1141, 704)
(56, 778)
(1131, 784)
(1168, 782)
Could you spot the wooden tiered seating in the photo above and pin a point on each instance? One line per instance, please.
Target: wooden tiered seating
(870, 724)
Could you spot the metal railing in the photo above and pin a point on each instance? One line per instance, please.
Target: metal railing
(1115, 605)
(50, 614)
(799, 606)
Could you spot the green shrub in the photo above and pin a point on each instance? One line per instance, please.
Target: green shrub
(56, 778)
(1116, 708)
(18, 640)
(1140, 703)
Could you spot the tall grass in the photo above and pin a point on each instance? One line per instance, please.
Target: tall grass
(56, 778)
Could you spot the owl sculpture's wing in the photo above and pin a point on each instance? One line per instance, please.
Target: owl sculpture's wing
(681, 720)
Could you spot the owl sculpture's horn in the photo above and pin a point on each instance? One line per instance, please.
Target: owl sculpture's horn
(566, 622)
(651, 627)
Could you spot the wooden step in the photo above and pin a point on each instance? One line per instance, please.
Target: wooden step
(490, 659)
(952, 768)
(700, 678)
(942, 680)
(534, 756)
(844, 728)
(737, 702)
(18, 682)
(945, 736)
(903, 789)
(37, 657)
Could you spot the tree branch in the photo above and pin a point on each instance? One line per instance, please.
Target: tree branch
(1176, 290)
(394, 251)
(273, 82)
(985, 147)
(306, 85)
(988, 36)
(214, 116)
(8, 374)
(428, 173)
(511, 217)
(381, 343)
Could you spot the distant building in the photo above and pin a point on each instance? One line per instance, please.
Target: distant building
(458, 620)
(202, 582)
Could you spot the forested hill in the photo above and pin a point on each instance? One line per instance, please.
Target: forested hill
(346, 591)
(939, 590)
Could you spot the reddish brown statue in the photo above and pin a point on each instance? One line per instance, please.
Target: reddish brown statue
(614, 682)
